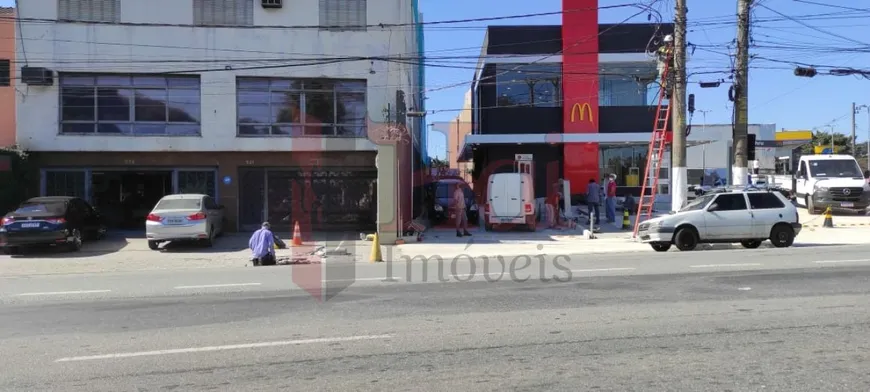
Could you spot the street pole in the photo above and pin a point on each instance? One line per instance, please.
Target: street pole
(853, 130)
(741, 99)
(680, 184)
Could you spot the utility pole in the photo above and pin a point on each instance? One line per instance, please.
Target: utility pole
(680, 183)
(854, 112)
(740, 171)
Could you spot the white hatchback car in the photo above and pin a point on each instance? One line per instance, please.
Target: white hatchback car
(184, 218)
(726, 216)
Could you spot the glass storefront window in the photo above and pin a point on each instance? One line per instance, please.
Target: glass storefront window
(627, 85)
(537, 85)
(628, 163)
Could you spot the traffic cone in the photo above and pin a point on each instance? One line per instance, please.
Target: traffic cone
(297, 235)
(829, 219)
(376, 251)
(626, 222)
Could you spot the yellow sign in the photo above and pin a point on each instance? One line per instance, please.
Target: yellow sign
(825, 149)
(794, 136)
(582, 110)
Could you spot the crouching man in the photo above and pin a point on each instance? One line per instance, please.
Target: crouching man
(262, 244)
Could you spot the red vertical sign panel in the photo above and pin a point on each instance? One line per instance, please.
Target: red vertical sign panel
(580, 88)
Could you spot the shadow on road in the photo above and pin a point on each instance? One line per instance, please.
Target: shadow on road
(110, 244)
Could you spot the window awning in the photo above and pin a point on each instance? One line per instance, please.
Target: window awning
(606, 139)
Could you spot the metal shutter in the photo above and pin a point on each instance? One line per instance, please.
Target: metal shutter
(223, 12)
(343, 14)
(90, 10)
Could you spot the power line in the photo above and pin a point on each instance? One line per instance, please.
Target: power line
(809, 26)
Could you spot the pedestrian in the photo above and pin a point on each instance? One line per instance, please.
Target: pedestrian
(262, 244)
(593, 199)
(553, 207)
(610, 198)
(460, 209)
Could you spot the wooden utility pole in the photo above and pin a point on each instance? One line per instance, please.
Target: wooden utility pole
(740, 170)
(680, 182)
(854, 112)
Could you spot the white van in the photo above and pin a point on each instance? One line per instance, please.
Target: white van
(834, 181)
(510, 201)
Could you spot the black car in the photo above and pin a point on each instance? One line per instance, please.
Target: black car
(443, 192)
(57, 220)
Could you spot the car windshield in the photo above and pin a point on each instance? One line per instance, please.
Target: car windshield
(698, 203)
(835, 168)
(179, 204)
(56, 208)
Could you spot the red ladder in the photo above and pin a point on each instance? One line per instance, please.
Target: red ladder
(661, 136)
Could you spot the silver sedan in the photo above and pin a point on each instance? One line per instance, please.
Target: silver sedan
(183, 218)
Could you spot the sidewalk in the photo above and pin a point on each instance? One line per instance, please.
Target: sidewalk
(446, 245)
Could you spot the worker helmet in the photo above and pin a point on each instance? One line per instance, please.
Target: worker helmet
(669, 38)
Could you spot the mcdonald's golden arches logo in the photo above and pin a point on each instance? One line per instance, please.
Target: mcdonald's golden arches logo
(581, 109)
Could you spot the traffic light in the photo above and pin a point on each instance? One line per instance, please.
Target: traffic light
(750, 147)
(691, 103)
(805, 72)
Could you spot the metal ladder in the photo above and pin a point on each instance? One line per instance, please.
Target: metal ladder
(661, 136)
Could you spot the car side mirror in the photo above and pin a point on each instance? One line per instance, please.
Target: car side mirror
(712, 207)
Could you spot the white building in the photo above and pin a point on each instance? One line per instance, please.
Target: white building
(716, 155)
(236, 98)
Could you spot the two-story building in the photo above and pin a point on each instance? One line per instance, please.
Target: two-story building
(260, 103)
(579, 97)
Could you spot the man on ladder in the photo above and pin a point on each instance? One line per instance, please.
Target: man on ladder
(665, 55)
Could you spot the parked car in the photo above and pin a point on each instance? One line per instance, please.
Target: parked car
(187, 217)
(442, 206)
(56, 221)
(726, 216)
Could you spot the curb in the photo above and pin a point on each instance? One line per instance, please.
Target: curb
(841, 225)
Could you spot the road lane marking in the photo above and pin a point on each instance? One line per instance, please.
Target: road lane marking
(210, 286)
(840, 261)
(191, 350)
(744, 288)
(62, 293)
(603, 270)
(725, 265)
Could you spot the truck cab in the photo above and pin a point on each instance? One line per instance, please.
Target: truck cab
(834, 181)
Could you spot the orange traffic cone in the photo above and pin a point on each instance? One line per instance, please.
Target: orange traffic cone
(297, 235)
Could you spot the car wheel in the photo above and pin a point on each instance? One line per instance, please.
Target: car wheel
(782, 236)
(660, 246)
(686, 239)
(811, 207)
(76, 244)
(750, 244)
(208, 242)
(154, 245)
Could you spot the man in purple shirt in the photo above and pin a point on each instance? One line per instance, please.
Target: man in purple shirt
(262, 245)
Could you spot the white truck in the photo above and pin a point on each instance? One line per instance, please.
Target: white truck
(834, 181)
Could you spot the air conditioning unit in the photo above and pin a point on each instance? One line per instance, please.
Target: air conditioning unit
(271, 3)
(37, 76)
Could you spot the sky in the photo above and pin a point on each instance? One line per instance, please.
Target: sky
(834, 35)
(775, 94)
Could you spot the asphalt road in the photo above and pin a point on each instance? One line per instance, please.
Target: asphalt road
(772, 320)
